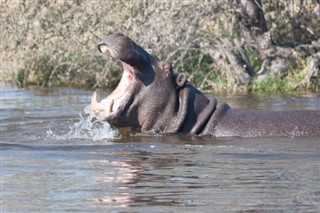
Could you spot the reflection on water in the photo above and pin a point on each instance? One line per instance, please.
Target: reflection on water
(52, 162)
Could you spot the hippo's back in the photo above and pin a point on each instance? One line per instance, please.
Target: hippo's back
(254, 123)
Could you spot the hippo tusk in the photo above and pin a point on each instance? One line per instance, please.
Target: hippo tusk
(94, 103)
(94, 99)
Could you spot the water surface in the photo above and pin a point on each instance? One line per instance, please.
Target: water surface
(54, 160)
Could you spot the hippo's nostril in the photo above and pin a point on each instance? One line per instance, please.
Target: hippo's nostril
(103, 48)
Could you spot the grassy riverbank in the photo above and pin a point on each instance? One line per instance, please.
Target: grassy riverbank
(53, 43)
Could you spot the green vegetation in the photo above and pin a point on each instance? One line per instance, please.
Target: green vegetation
(53, 43)
(273, 84)
(254, 60)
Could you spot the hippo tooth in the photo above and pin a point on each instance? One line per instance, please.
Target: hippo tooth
(94, 98)
(95, 105)
(111, 105)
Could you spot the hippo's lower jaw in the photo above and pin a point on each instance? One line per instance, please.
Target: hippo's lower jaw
(112, 106)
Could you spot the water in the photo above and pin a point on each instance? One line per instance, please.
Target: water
(54, 160)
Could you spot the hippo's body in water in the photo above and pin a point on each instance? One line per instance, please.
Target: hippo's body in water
(152, 98)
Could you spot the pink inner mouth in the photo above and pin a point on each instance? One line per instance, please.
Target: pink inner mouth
(113, 101)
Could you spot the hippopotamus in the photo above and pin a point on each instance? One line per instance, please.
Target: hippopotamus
(152, 98)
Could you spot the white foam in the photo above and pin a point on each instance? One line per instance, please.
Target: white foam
(86, 129)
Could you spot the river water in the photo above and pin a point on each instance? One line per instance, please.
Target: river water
(54, 160)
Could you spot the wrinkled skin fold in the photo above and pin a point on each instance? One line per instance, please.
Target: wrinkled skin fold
(152, 98)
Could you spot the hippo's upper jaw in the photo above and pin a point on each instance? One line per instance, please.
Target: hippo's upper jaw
(122, 48)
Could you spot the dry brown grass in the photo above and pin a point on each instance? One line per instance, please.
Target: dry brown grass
(53, 43)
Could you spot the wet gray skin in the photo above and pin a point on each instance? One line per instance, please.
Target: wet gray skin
(152, 98)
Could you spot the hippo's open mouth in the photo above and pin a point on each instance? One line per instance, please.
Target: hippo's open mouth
(118, 99)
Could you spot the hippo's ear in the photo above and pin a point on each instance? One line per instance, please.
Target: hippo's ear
(181, 79)
(165, 68)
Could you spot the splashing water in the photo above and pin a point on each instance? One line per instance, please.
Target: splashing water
(87, 129)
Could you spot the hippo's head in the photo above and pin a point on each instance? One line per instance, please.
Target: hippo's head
(144, 89)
